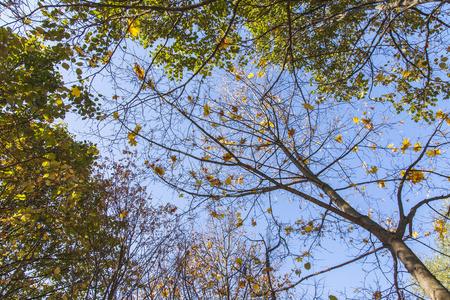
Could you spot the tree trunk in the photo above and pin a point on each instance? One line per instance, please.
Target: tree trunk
(432, 287)
(427, 281)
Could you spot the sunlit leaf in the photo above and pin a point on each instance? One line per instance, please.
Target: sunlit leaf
(76, 92)
(134, 31)
(433, 152)
(417, 147)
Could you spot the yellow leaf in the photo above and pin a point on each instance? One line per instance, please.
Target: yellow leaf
(372, 171)
(124, 214)
(406, 73)
(338, 139)
(288, 229)
(137, 129)
(439, 226)
(365, 121)
(59, 101)
(381, 184)
(228, 181)
(308, 106)
(415, 234)
(226, 157)
(225, 43)
(440, 114)
(78, 49)
(379, 77)
(355, 149)
(260, 74)
(238, 261)
(57, 271)
(140, 72)
(269, 210)
(76, 92)
(356, 120)
(415, 176)
(417, 147)
(206, 109)
(433, 152)
(160, 171)
(405, 145)
(308, 228)
(133, 30)
(115, 115)
(423, 64)
(256, 287)
(250, 75)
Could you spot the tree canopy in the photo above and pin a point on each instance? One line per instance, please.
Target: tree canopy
(337, 106)
(66, 230)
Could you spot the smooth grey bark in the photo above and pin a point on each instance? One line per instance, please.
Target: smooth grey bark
(432, 287)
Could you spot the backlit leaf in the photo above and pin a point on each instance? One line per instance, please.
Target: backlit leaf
(76, 92)
(308, 106)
